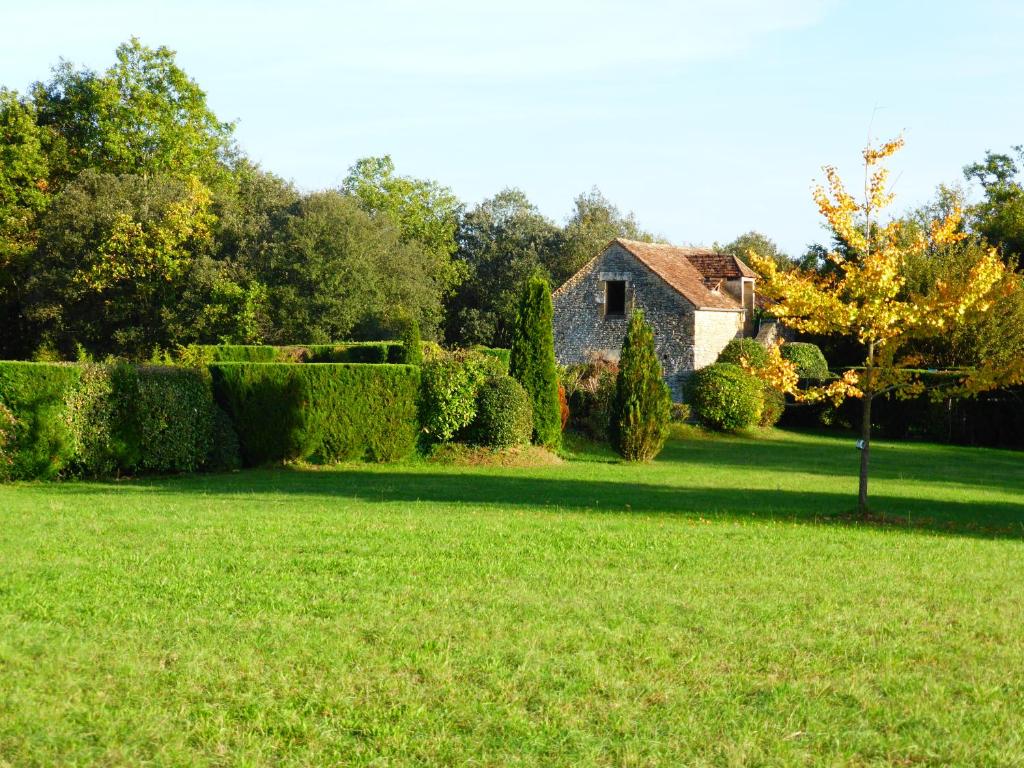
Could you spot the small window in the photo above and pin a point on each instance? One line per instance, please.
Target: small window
(615, 298)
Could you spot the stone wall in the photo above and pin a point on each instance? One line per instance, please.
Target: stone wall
(713, 329)
(582, 330)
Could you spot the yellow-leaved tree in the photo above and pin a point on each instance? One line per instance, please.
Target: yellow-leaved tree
(866, 298)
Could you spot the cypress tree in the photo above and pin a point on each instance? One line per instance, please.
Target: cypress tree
(532, 360)
(642, 405)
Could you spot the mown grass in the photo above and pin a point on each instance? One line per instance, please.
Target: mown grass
(717, 607)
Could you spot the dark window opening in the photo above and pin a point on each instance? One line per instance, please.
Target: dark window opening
(615, 298)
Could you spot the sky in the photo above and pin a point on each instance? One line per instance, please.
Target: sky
(706, 119)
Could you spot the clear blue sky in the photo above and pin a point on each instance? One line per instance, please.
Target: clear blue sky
(705, 118)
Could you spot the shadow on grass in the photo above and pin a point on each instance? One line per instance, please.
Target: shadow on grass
(809, 452)
(988, 519)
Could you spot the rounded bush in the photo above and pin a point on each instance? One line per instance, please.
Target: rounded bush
(504, 414)
(739, 349)
(724, 396)
(810, 362)
(774, 405)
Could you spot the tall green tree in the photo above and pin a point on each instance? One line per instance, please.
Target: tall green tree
(760, 244)
(24, 195)
(422, 211)
(334, 271)
(593, 222)
(532, 361)
(502, 241)
(999, 217)
(113, 258)
(642, 404)
(144, 115)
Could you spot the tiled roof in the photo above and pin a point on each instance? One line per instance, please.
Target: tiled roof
(678, 268)
(718, 265)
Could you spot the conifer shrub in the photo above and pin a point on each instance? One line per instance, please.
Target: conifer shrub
(642, 406)
(321, 413)
(724, 396)
(532, 360)
(504, 414)
(739, 349)
(808, 358)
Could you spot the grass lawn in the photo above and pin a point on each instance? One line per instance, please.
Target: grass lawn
(713, 608)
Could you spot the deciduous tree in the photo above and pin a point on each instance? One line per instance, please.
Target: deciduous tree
(867, 297)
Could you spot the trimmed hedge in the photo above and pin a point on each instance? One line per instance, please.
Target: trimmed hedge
(319, 412)
(504, 414)
(808, 358)
(347, 352)
(724, 396)
(37, 394)
(100, 420)
(737, 349)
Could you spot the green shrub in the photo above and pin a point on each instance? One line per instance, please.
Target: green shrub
(502, 355)
(739, 349)
(504, 415)
(642, 404)
(810, 362)
(724, 396)
(532, 360)
(224, 454)
(773, 406)
(36, 394)
(450, 384)
(680, 413)
(321, 413)
(590, 391)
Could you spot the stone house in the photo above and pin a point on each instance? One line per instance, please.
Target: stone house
(695, 299)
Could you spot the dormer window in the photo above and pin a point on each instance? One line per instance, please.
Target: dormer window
(615, 298)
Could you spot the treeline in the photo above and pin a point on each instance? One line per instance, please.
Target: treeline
(130, 221)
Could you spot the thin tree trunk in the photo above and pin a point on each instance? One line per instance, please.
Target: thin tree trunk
(868, 389)
(865, 455)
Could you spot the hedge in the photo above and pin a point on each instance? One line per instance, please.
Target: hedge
(348, 352)
(102, 420)
(319, 412)
(37, 394)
